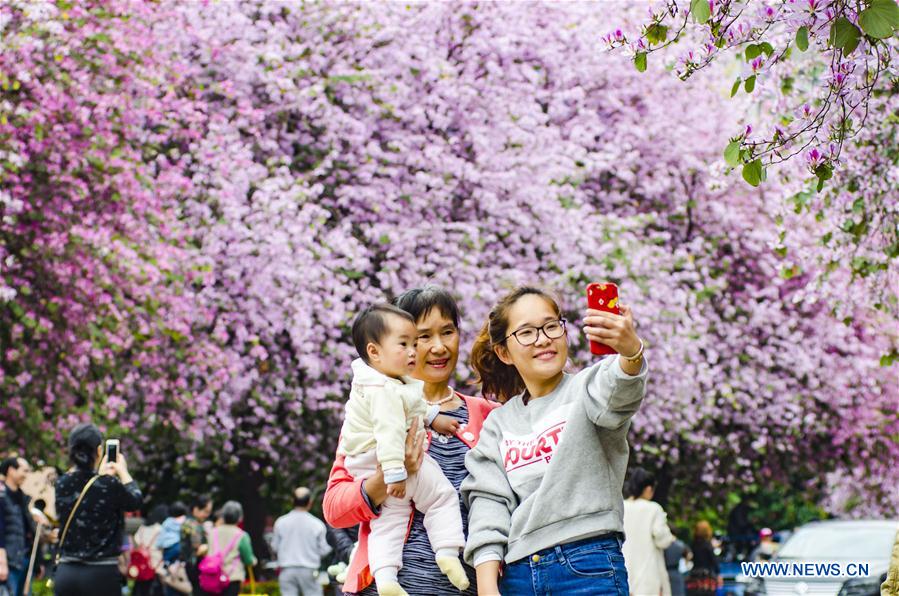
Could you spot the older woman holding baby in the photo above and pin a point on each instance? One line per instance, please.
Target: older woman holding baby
(350, 501)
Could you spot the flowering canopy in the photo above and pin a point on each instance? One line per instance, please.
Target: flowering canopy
(197, 198)
(822, 75)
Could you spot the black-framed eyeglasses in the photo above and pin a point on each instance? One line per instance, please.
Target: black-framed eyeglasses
(528, 336)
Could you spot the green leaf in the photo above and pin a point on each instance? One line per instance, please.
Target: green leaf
(790, 272)
(767, 48)
(824, 172)
(786, 85)
(640, 61)
(700, 10)
(752, 51)
(736, 87)
(752, 172)
(351, 274)
(880, 19)
(750, 84)
(844, 35)
(16, 309)
(802, 38)
(656, 33)
(732, 154)
(851, 45)
(663, 33)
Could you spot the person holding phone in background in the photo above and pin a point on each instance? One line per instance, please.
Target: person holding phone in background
(544, 484)
(91, 544)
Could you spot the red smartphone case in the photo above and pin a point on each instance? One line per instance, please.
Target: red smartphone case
(602, 296)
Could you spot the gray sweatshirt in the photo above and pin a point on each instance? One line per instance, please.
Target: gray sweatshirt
(551, 472)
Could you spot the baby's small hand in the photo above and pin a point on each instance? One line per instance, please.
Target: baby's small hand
(397, 489)
(445, 425)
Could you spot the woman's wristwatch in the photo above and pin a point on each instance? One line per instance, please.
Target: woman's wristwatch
(636, 357)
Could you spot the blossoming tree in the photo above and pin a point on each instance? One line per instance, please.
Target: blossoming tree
(295, 163)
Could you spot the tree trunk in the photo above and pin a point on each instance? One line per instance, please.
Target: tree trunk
(254, 507)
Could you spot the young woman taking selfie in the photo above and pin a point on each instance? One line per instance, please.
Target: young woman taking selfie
(545, 479)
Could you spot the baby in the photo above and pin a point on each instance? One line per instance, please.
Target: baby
(383, 403)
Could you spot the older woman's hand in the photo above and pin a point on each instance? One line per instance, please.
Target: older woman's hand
(374, 485)
(415, 440)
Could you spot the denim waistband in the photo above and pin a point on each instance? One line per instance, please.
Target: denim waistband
(610, 541)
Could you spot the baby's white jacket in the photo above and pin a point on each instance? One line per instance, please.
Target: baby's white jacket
(378, 414)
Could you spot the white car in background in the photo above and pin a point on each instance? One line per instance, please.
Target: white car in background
(832, 541)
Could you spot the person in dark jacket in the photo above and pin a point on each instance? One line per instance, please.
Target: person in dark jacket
(342, 541)
(705, 576)
(18, 526)
(676, 552)
(93, 543)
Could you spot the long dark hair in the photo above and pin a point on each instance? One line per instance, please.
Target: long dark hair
(83, 442)
(498, 379)
(638, 482)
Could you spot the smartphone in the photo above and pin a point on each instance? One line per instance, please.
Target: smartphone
(602, 296)
(112, 450)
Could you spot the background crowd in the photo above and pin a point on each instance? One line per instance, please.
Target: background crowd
(157, 550)
(109, 546)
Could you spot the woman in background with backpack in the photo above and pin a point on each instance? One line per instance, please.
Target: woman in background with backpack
(222, 570)
(145, 558)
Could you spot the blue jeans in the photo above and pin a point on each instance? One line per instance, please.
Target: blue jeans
(15, 581)
(593, 566)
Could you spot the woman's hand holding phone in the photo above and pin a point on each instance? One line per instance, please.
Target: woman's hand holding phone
(117, 468)
(617, 332)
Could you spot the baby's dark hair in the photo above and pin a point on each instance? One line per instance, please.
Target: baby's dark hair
(177, 509)
(370, 326)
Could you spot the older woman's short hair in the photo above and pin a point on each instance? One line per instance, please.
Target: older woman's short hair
(232, 512)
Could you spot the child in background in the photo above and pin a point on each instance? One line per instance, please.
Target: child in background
(169, 540)
(384, 402)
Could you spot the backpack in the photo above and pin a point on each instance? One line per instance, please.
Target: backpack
(140, 566)
(213, 578)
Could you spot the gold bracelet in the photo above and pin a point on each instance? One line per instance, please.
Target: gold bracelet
(636, 357)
